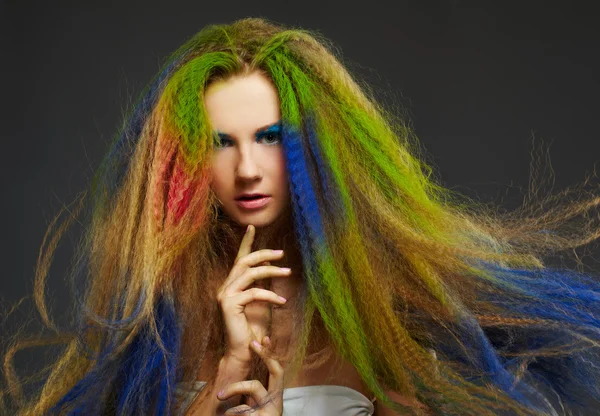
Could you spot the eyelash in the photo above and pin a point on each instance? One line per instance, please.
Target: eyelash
(271, 136)
(220, 143)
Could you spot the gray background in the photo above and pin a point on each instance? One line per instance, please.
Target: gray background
(479, 78)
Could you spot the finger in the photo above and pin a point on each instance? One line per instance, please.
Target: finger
(238, 410)
(252, 388)
(259, 256)
(275, 372)
(256, 273)
(264, 263)
(275, 369)
(248, 261)
(262, 283)
(255, 294)
(266, 342)
(246, 244)
(244, 249)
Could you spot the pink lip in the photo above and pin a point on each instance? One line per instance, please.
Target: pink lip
(255, 203)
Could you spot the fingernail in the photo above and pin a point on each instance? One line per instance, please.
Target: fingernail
(278, 251)
(256, 344)
(283, 299)
(285, 269)
(248, 228)
(219, 394)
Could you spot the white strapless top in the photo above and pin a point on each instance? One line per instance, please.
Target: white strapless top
(321, 400)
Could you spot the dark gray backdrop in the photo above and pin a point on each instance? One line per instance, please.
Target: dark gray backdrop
(479, 78)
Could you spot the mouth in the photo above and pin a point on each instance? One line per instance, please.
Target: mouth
(253, 201)
(249, 197)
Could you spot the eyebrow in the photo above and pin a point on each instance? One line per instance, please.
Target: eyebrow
(257, 132)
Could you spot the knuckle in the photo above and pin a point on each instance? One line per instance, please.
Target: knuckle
(223, 301)
(262, 255)
(244, 385)
(277, 369)
(254, 272)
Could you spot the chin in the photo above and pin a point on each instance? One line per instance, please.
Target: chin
(257, 222)
(274, 216)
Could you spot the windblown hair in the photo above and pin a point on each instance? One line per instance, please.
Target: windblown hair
(394, 264)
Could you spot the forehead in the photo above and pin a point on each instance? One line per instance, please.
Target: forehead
(242, 103)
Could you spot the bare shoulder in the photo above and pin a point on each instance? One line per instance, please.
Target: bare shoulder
(334, 371)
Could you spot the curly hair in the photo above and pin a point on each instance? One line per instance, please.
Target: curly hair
(393, 263)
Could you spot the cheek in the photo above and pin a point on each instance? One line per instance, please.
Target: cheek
(279, 164)
(282, 174)
(219, 178)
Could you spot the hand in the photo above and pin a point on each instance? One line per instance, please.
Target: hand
(253, 388)
(233, 297)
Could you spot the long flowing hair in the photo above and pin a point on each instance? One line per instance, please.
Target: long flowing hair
(395, 266)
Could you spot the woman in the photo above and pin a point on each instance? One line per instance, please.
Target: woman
(252, 139)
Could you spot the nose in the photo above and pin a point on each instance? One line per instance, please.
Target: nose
(248, 168)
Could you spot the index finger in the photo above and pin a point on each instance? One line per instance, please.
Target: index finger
(246, 244)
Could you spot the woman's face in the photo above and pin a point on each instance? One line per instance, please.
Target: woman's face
(245, 116)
